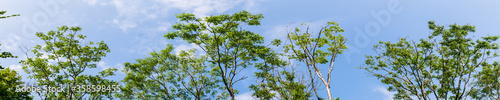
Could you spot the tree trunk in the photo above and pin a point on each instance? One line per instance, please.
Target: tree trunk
(329, 93)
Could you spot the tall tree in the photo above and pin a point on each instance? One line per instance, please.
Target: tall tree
(442, 66)
(62, 61)
(165, 75)
(228, 45)
(316, 51)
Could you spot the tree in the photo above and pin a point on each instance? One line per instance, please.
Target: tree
(229, 47)
(165, 75)
(9, 82)
(443, 66)
(3, 12)
(62, 63)
(310, 50)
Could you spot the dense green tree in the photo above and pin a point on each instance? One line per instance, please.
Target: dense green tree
(229, 47)
(316, 51)
(62, 61)
(168, 76)
(9, 82)
(446, 65)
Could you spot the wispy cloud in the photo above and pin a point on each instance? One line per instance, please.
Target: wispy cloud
(17, 67)
(387, 95)
(201, 7)
(132, 13)
(244, 96)
(183, 47)
(103, 65)
(124, 25)
(91, 2)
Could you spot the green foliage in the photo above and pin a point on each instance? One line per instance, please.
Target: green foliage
(314, 51)
(283, 83)
(63, 60)
(275, 78)
(488, 82)
(230, 47)
(165, 75)
(6, 55)
(3, 12)
(442, 69)
(306, 47)
(8, 82)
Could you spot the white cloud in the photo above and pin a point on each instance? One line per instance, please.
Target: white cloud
(148, 42)
(129, 13)
(244, 96)
(133, 12)
(102, 64)
(279, 31)
(10, 43)
(119, 66)
(124, 24)
(163, 27)
(91, 2)
(387, 95)
(184, 47)
(201, 7)
(276, 32)
(17, 68)
(20, 31)
(253, 5)
(126, 7)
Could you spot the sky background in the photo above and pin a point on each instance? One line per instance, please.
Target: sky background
(133, 28)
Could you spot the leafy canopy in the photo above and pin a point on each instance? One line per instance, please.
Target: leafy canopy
(229, 47)
(63, 60)
(165, 75)
(446, 65)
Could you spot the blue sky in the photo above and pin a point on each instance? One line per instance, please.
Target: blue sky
(133, 28)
